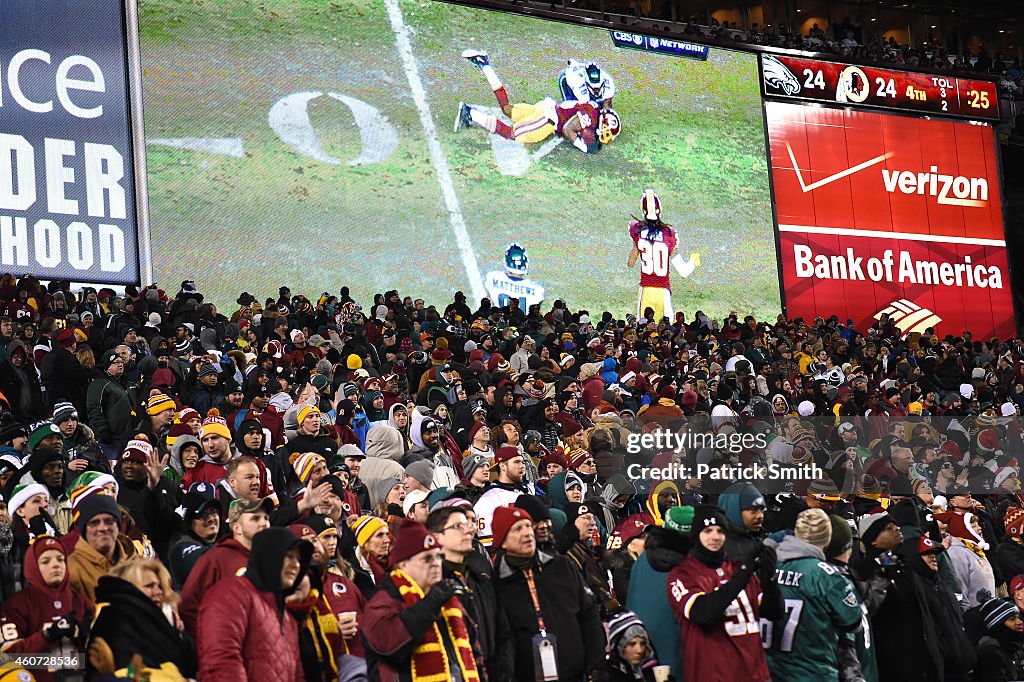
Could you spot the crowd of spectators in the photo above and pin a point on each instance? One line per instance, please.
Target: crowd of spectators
(301, 488)
(850, 41)
(844, 38)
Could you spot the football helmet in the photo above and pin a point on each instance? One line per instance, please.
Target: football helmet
(608, 126)
(517, 264)
(595, 78)
(650, 204)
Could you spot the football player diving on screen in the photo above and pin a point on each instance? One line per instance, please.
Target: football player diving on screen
(581, 123)
(654, 245)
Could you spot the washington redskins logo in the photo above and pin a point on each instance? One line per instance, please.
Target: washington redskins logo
(853, 85)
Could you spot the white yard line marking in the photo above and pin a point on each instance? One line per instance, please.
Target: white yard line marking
(227, 146)
(437, 157)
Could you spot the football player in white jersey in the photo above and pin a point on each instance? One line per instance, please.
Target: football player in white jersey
(586, 81)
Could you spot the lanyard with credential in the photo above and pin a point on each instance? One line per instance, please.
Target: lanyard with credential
(536, 602)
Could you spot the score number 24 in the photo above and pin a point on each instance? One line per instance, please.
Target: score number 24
(814, 79)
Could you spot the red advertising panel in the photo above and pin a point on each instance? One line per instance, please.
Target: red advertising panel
(883, 213)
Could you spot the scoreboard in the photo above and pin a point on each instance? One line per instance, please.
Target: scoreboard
(865, 86)
(886, 200)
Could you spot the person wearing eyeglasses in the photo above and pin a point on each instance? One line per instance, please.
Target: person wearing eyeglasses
(109, 400)
(469, 572)
(101, 545)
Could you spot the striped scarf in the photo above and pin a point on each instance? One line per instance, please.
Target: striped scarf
(430, 659)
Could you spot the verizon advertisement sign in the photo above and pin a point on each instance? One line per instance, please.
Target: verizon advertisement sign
(889, 214)
(67, 177)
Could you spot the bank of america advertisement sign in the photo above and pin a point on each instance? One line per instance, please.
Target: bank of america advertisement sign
(880, 213)
(67, 182)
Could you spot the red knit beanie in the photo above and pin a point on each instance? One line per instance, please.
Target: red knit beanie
(502, 522)
(413, 538)
(556, 456)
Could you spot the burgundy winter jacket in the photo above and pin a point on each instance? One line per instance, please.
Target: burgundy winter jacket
(225, 560)
(593, 392)
(242, 638)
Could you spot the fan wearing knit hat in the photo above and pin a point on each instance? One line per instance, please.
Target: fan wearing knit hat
(373, 540)
(719, 605)
(216, 451)
(967, 552)
(44, 435)
(439, 642)
(1006, 480)
(46, 615)
(878, 532)
(28, 500)
(631, 652)
(310, 468)
(477, 472)
(1001, 645)
(828, 598)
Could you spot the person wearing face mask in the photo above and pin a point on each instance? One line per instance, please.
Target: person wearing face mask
(244, 629)
(718, 605)
(47, 616)
(1000, 649)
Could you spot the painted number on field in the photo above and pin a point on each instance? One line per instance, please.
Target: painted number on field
(289, 119)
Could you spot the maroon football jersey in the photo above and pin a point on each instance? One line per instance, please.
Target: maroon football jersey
(565, 111)
(729, 649)
(655, 252)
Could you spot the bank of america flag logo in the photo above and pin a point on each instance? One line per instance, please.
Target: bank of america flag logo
(909, 316)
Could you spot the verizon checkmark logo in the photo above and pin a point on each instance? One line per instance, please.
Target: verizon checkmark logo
(836, 176)
(948, 190)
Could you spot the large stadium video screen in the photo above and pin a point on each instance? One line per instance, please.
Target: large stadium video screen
(320, 144)
(896, 214)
